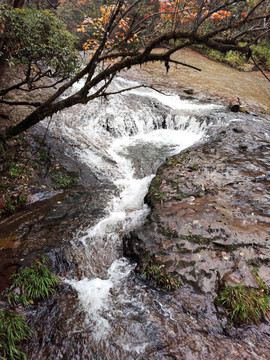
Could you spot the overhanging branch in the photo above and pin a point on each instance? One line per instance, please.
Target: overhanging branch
(134, 88)
(256, 64)
(184, 64)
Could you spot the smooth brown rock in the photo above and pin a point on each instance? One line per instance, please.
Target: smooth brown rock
(234, 104)
(217, 222)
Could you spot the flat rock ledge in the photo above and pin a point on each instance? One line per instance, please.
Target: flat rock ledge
(210, 219)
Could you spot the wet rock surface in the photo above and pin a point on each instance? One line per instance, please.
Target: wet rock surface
(191, 331)
(210, 223)
(209, 226)
(48, 223)
(47, 227)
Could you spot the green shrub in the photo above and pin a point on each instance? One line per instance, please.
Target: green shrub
(215, 55)
(13, 329)
(19, 171)
(261, 54)
(36, 36)
(9, 204)
(235, 59)
(63, 181)
(12, 202)
(31, 283)
(14, 170)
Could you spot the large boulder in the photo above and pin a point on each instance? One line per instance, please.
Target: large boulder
(210, 217)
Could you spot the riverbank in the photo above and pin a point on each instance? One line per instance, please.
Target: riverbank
(215, 82)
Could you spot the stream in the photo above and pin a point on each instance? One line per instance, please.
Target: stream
(104, 311)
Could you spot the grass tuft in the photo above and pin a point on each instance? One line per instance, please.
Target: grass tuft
(32, 283)
(13, 329)
(245, 304)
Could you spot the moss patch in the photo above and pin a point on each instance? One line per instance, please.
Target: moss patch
(157, 275)
(197, 239)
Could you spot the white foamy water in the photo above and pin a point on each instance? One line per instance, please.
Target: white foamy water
(171, 100)
(124, 140)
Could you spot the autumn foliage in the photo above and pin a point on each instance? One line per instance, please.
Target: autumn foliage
(134, 27)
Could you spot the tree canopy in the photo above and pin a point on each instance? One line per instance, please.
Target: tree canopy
(120, 34)
(37, 40)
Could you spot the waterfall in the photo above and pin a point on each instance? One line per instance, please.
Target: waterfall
(123, 139)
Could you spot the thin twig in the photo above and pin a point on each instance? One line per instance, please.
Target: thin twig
(134, 88)
(256, 64)
(184, 64)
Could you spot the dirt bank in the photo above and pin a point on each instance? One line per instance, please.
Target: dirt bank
(215, 81)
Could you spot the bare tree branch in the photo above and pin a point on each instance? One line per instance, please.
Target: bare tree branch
(256, 64)
(184, 64)
(133, 88)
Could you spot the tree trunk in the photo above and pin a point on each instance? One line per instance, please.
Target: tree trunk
(3, 60)
(19, 3)
(235, 104)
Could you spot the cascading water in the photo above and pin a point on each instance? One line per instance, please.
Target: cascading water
(123, 140)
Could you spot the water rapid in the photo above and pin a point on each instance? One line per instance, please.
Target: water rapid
(108, 313)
